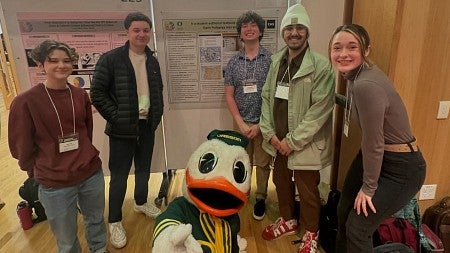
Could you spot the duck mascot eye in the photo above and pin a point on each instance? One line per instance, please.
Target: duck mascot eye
(216, 186)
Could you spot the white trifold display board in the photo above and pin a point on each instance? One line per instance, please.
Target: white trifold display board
(92, 27)
(194, 39)
(189, 118)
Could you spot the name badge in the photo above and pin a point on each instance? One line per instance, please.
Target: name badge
(68, 142)
(249, 86)
(282, 90)
(346, 127)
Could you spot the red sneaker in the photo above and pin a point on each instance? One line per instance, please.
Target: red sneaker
(309, 242)
(279, 228)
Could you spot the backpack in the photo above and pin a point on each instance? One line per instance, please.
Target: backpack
(398, 230)
(433, 240)
(437, 217)
(29, 192)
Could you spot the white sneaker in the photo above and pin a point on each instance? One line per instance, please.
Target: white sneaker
(117, 235)
(148, 209)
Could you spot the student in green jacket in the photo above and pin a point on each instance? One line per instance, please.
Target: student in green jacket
(298, 100)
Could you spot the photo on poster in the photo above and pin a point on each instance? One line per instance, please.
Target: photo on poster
(30, 61)
(88, 60)
(80, 81)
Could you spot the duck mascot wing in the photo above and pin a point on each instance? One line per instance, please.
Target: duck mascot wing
(205, 219)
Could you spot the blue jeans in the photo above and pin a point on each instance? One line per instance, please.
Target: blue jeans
(122, 152)
(401, 176)
(61, 207)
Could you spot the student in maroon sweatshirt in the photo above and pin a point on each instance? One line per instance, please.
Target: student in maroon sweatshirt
(50, 134)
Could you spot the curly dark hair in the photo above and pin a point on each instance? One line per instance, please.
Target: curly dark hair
(251, 16)
(42, 51)
(136, 16)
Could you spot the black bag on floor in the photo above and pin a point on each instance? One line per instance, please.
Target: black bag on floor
(328, 222)
(29, 192)
(393, 248)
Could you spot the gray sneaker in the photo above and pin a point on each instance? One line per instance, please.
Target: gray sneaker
(148, 209)
(117, 235)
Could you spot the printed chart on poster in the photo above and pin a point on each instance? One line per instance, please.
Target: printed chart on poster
(89, 33)
(197, 53)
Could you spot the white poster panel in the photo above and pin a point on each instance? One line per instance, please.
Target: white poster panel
(198, 51)
(195, 103)
(90, 34)
(92, 27)
(194, 51)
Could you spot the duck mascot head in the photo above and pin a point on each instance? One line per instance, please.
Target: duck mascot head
(215, 188)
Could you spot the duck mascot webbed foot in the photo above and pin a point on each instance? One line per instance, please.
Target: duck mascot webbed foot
(216, 186)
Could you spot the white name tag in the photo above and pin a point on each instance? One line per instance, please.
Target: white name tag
(68, 143)
(250, 86)
(282, 91)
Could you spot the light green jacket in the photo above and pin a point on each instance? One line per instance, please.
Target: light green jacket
(310, 106)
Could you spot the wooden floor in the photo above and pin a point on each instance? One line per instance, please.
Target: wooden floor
(39, 238)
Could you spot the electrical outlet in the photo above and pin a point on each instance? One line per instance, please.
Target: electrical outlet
(428, 191)
(444, 107)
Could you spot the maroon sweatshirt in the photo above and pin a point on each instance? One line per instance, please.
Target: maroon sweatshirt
(33, 132)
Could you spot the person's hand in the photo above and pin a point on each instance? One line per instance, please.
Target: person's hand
(253, 131)
(177, 239)
(284, 148)
(275, 142)
(361, 202)
(244, 128)
(242, 243)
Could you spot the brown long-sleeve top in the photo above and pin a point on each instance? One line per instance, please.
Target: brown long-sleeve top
(33, 132)
(382, 116)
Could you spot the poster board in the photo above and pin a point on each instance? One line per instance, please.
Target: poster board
(190, 112)
(92, 28)
(186, 125)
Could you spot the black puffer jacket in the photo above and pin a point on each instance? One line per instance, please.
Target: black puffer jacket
(114, 92)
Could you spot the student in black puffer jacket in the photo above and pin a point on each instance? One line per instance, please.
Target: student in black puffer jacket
(127, 91)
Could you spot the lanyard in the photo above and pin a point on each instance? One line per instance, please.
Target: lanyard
(245, 66)
(349, 95)
(57, 114)
(289, 76)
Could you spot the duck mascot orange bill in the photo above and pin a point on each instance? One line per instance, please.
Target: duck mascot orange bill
(205, 219)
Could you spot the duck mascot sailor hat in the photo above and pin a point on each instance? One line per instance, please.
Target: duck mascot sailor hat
(216, 186)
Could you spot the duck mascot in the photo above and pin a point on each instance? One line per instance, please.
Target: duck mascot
(216, 186)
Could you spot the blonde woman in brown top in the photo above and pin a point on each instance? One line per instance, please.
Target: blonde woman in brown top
(389, 169)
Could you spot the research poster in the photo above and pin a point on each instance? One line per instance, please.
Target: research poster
(197, 53)
(89, 33)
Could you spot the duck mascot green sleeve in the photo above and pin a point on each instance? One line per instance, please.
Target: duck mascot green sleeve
(217, 183)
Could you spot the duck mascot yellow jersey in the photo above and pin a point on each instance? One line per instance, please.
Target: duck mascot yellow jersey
(205, 219)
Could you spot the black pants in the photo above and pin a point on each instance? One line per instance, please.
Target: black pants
(122, 152)
(401, 176)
